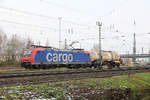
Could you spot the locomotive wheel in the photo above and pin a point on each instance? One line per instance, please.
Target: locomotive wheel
(30, 67)
(36, 66)
(42, 66)
(71, 66)
(25, 66)
(45, 66)
(53, 67)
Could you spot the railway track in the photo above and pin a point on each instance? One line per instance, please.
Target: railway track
(49, 76)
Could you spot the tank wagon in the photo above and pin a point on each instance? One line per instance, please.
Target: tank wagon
(48, 57)
(109, 58)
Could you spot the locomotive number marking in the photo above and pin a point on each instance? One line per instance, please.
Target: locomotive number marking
(58, 57)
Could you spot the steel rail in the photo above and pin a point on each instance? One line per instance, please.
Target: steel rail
(29, 74)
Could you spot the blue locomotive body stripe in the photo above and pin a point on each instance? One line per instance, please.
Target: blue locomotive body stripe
(62, 57)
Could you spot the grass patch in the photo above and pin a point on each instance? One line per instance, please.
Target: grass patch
(130, 87)
(20, 69)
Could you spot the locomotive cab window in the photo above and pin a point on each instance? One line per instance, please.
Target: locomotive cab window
(38, 52)
(27, 53)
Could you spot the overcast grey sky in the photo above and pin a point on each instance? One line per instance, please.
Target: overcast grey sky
(38, 19)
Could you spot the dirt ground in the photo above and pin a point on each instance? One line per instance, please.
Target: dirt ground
(92, 93)
(11, 68)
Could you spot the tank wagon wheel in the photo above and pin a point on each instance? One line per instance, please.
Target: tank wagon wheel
(110, 66)
(95, 64)
(99, 68)
(92, 66)
(118, 66)
(100, 65)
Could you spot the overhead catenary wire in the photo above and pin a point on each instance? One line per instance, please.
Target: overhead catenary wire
(115, 9)
(39, 27)
(78, 11)
(68, 29)
(43, 16)
(65, 29)
(50, 17)
(82, 12)
(28, 25)
(49, 28)
(65, 7)
(62, 6)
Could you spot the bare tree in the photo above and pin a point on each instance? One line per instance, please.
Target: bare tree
(14, 48)
(29, 43)
(1, 39)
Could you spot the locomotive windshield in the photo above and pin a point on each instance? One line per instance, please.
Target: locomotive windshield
(27, 53)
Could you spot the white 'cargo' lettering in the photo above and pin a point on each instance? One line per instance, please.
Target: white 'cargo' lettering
(55, 57)
(47, 57)
(64, 57)
(70, 57)
(58, 57)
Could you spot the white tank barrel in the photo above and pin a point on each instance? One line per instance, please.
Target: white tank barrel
(106, 56)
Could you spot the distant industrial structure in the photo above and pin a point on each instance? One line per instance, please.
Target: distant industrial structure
(136, 55)
(140, 58)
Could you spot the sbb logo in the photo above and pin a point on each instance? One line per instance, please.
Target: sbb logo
(59, 57)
